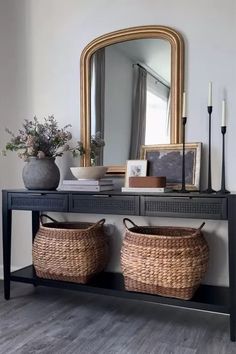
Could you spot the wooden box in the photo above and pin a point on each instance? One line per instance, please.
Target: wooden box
(147, 182)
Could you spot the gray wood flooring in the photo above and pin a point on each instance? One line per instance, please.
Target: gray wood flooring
(48, 321)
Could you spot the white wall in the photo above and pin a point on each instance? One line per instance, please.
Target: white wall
(41, 42)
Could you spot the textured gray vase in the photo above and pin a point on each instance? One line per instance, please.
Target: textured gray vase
(41, 174)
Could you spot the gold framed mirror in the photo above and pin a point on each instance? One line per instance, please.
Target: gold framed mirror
(145, 36)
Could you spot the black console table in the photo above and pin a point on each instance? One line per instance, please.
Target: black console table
(192, 205)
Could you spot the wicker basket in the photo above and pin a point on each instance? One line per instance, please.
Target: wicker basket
(70, 251)
(168, 261)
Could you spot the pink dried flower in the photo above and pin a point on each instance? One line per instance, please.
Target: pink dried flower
(30, 140)
(41, 154)
(30, 151)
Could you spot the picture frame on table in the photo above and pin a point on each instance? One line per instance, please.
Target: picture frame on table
(135, 168)
(166, 160)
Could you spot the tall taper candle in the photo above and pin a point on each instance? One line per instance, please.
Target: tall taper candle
(223, 122)
(184, 105)
(210, 94)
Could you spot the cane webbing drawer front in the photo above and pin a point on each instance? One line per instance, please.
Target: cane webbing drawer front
(207, 208)
(106, 204)
(38, 201)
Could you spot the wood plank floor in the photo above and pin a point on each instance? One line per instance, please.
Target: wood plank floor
(48, 321)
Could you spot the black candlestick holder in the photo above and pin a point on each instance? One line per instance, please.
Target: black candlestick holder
(183, 188)
(209, 188)
(223, 190)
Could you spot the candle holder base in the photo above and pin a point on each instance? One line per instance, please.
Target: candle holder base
(182, 190)
(223, 191)
(209, 191)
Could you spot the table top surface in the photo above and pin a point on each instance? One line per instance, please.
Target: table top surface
(118, 192)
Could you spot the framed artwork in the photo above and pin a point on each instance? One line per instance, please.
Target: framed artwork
(166, 160)
(135, 168)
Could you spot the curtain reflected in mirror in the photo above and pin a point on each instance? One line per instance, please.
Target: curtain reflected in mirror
(139, 111)
(130, 97)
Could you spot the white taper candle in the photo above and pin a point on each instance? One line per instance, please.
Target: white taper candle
(223, 122)
(210, 94)
(184, 105)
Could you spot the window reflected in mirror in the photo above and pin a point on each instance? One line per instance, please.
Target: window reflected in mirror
(130, 97)
(157, 112)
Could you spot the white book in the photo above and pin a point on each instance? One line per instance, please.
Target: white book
(87, 182)
(85, 188)
(143, 189)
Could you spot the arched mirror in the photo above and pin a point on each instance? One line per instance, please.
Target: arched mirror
(131, 92)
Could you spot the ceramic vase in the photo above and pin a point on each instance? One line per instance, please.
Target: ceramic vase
(41, 173)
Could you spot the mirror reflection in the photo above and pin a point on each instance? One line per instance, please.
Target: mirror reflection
(130, 97)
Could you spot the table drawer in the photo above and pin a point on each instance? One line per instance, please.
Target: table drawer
(190, 207)
(104, 204)
(38, 201)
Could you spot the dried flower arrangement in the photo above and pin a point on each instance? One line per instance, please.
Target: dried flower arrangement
(45, 139)
(39, 139)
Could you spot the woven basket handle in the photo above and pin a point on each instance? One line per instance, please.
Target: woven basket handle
(98, 223)
(125, 220)
(46, 216)
(200, 227)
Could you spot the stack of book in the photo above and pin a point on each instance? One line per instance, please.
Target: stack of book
(146, 189)
(87, 185)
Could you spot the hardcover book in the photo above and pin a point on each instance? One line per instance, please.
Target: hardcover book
(87, 182)
(146, 189)
(86, 188)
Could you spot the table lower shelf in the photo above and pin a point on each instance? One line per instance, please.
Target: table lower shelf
(207, 297)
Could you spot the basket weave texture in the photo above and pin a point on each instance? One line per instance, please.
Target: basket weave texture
(70, 251)
(168, 261)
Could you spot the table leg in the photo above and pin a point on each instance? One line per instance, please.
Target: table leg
(232, 263)
(7, 224)
(35, 223)
(35, 227)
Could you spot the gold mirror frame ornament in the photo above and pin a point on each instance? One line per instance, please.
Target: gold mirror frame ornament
(177, 78)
